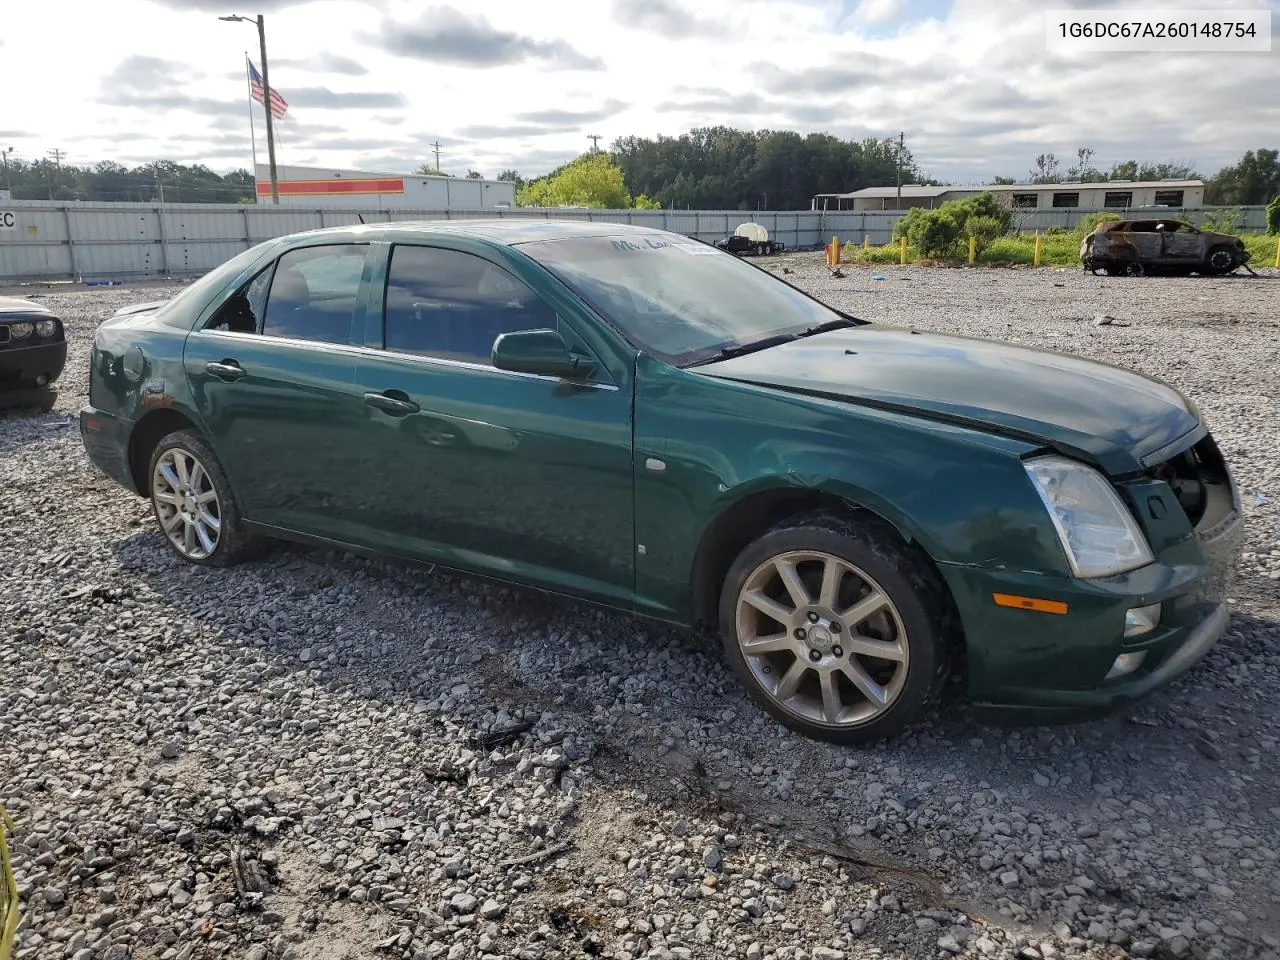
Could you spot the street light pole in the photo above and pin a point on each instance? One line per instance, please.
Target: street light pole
(8, 177)
(266, 99)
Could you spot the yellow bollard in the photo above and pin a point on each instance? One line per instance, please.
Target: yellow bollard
(902, 248)
(1039, 244)
(866, 242)
(836, 251)
(973, 250)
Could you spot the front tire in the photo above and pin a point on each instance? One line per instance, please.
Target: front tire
(1221, 260)
(836, 628)
(193, 504)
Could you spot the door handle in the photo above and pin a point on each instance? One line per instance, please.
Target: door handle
(226, 370)
(396, 406)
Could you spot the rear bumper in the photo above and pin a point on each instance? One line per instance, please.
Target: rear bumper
(106, 441)
(22, 367)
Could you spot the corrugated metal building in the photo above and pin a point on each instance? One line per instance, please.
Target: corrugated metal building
(320, 187)
(1108, 195)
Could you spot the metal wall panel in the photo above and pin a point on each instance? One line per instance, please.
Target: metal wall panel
(136, 240)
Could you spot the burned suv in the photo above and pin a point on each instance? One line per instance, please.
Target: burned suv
(1168, 246)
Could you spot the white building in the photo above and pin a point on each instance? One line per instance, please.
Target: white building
(1108, 195)
(319, 187)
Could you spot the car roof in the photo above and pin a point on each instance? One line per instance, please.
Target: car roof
(506, 231)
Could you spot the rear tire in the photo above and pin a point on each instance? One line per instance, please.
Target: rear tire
(193, 504)
(836, 628)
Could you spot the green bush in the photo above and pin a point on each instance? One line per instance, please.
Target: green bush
(984, 204)
(937, 233)
(1056, 231)
(983, 231)
(1221, 221)
(1273, 216)
(1089, 222)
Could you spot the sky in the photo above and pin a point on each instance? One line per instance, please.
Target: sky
(522, 83)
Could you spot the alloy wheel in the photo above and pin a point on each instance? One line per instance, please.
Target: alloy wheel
(822, 638)
(186, 504)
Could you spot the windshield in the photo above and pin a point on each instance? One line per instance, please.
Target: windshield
(681, 301)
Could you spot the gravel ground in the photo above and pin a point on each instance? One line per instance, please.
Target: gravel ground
(315, 756)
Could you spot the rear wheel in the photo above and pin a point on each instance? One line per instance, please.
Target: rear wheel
(836, 629)
(193, 503)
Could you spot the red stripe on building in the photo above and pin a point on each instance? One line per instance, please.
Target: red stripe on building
(317, 188)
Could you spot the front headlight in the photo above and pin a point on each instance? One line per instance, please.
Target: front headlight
(46, 328)
(1098, 533)
(20, 331)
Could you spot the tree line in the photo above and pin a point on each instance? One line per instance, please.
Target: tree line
(707, 168)
(109, 181)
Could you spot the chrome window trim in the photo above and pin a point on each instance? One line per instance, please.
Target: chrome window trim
(360, 350)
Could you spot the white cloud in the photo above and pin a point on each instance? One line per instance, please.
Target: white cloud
(876, 11)
(972, 86)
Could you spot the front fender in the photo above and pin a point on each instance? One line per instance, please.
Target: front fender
(960, 493)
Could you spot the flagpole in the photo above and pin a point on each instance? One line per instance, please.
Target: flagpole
(253, 140)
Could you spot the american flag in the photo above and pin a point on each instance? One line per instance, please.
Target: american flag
(278, 105)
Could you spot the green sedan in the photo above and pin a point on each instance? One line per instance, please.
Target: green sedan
(633, 418)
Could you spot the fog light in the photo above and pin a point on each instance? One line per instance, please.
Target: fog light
(1140, 620)
(1126, 663)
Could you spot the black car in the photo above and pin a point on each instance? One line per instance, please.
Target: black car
(33, 351)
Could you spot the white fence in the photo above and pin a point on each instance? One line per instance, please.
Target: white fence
(42, 240)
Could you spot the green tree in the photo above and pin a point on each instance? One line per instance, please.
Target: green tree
(511, 176)
(593, 180)
(1273, 216)
(427, 170)
(474, 174)
(1254, 178)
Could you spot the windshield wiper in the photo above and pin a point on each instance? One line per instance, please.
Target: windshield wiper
(838, 324)
(745, 348)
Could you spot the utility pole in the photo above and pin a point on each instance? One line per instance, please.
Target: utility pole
(8, 177)
(901, 138)
(595, 142)
(436, 144)
(57, 156)
(266, 99)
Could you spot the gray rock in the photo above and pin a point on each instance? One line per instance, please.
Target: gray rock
(463, 903)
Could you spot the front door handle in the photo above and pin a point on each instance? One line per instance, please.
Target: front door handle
(225, 370)
(389, 403)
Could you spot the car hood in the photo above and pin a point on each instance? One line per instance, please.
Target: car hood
(12, 308)
(1110, 415)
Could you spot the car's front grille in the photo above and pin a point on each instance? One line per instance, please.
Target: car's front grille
(4, 334)
(1202, 484)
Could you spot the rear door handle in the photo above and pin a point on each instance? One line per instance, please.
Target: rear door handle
(387, 403)
(225, 370)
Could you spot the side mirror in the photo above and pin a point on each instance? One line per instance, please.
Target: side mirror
(543, 352)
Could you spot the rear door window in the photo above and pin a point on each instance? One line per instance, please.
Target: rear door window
(314, 293)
